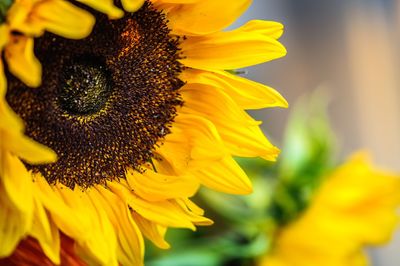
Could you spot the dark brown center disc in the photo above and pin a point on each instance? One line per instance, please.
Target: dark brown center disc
(105, 101)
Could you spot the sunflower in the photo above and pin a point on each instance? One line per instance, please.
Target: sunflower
(355, 207)
(113, 115)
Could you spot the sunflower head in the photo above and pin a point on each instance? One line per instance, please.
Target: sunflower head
(139, 110)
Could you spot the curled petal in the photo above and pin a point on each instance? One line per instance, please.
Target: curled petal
(22, 61)
(57, 16)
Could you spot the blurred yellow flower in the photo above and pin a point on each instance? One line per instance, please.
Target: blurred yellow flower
(353, 208)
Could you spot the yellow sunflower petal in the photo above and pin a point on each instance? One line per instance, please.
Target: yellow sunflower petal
(59, 17)
(268, 28)
(194, 143)
(239, 132)
(230, 50)
(162, 166)
(18, 13)
(107, 221)
(193, 207)
(4, 35)
(225, 176)
(16, 202)
(181, 161)
(194, 216)
(46, 233)
(248, 142)
(246, 93)
(27, 149)
(17, 184)
(212, 102)
(154, 186)
(204, 16)
(101, 244)
(130, 250)
(132, 5)
(13, 225)
(152, 231)
(131, 241)
(164, 212)
(4, 38)
(104, 6)
(22, 61)
(72, 221)
(13, 140)
(204, 137)
(3, 83)
(9, 121)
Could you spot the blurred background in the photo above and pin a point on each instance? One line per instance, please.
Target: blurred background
(350, 49)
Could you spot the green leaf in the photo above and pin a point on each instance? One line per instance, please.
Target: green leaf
(4, 6)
